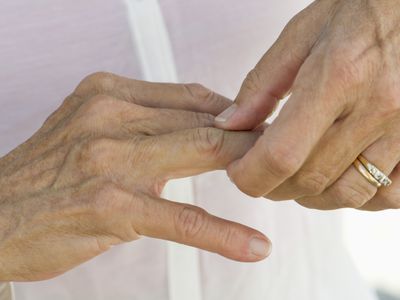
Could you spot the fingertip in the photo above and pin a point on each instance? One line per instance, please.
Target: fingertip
(260, 247)
(224, 117)
(252, 247)
(236, 118)
(244, 116)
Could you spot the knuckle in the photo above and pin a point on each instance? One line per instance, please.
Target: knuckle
(189, 221)
(280, 160)
(95, 82)
(253, 81)
(199, 92)
(100, 77)
(310, 183)
(209, 141)
(353, 195)
(93, 116)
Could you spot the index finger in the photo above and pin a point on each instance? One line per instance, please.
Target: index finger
(289, 140)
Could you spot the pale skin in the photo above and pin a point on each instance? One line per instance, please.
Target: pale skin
(91, 177)
(339, 60)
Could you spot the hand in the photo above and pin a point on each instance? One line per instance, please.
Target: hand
(91, 177)
(340, 60)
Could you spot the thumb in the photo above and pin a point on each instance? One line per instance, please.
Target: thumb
(271, 79)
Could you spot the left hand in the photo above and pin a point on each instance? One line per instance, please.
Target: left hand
(340, 60)
(92, 176)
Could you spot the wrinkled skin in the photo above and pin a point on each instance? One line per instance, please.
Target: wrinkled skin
(340, 60)
(91, 177)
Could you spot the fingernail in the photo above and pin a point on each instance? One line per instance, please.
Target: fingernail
(259, 247)
(226, 114)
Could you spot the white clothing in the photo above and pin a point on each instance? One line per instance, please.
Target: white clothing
(48, 46)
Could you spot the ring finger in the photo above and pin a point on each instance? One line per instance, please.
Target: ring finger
(352, 189)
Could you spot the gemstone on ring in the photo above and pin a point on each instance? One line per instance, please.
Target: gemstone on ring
(375, 172)
(366, 174)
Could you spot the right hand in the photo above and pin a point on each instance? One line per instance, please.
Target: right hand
(91, 177)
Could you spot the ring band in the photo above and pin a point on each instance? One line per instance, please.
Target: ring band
(375, 172)
(364, 172)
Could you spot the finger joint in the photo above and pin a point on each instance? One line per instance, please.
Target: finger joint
(190, 221)
(353, 195)
(280, 160)
(209, 141)
(310, 183)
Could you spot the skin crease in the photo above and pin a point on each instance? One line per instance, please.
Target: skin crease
(91, 177)
(340, 61)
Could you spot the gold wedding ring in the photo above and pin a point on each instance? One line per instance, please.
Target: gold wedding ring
(381, 177)
(364, 172)
(370, 172)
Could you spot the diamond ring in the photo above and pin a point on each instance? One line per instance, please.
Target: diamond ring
(371, 172)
